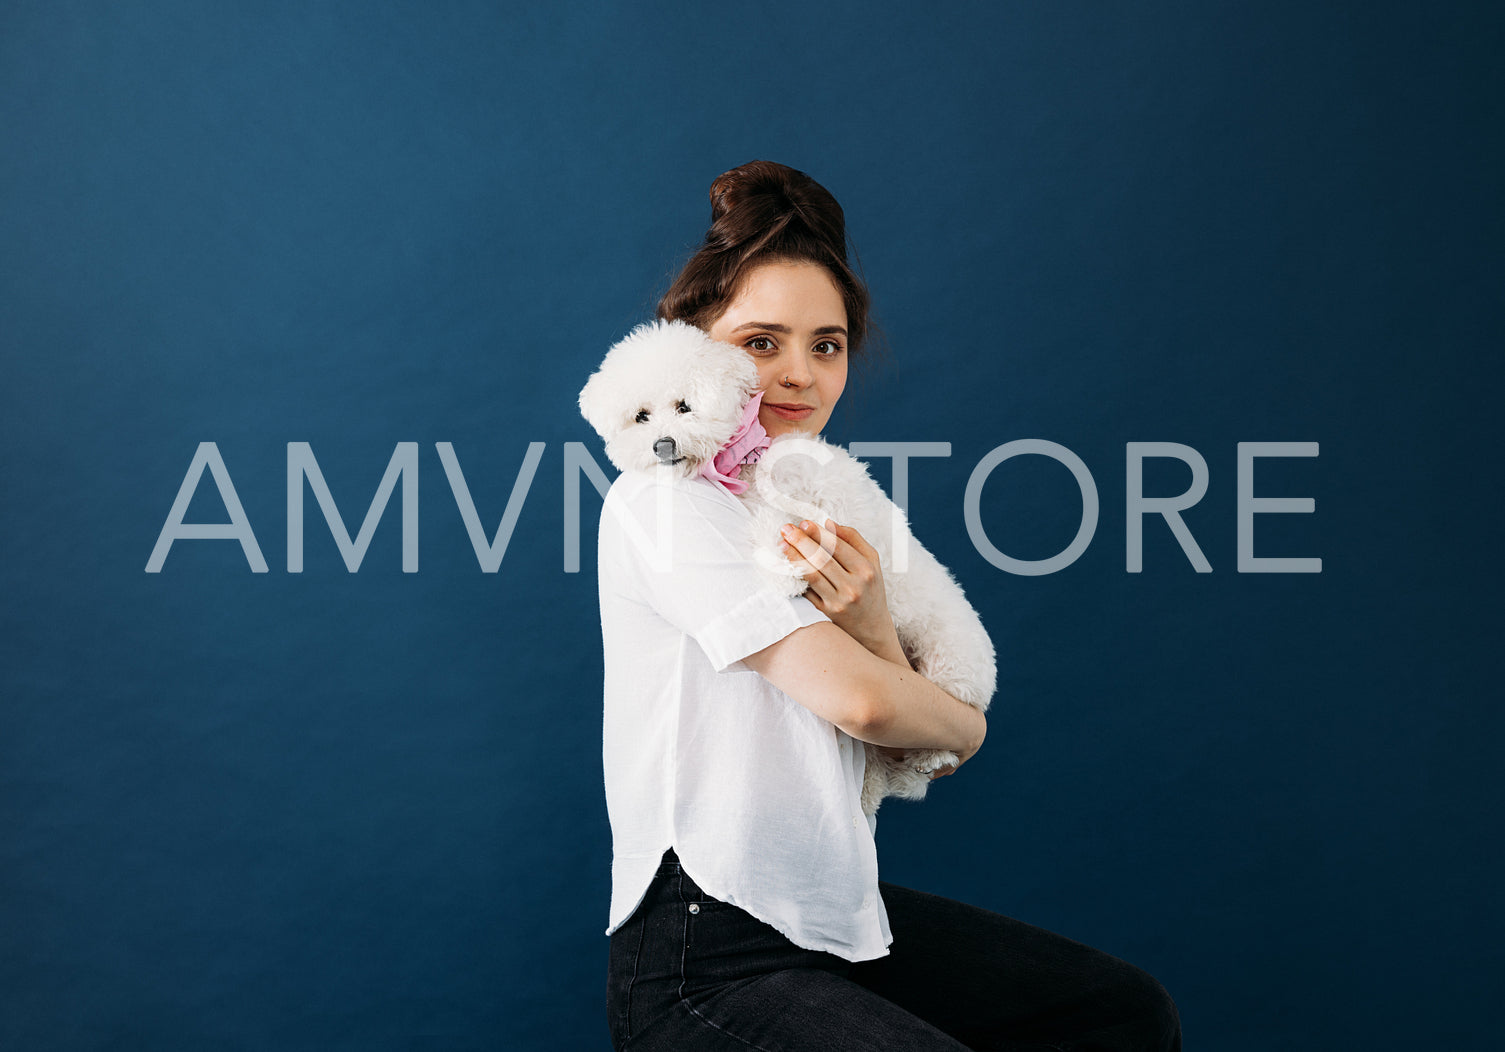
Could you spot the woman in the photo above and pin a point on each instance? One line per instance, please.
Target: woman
(746, 908)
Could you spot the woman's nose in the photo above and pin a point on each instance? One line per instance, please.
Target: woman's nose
(796, 372)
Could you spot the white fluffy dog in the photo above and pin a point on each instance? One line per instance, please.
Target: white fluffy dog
(669, 395)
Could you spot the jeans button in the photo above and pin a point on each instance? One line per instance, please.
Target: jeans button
(694, 907)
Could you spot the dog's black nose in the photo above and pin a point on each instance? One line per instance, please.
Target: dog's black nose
(666, 451)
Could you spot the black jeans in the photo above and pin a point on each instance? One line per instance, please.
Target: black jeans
(690, 972)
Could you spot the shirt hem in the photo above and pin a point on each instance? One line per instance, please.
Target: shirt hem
(845, 952)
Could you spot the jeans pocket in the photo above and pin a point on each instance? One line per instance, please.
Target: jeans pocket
(726, 944)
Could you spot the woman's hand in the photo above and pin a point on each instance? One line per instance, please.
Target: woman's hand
(846, 583)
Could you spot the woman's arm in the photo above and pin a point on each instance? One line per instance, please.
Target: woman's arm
(868, 697)
(845, 583)
(819, 665)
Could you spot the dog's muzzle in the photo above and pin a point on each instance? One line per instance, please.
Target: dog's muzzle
(666, 451)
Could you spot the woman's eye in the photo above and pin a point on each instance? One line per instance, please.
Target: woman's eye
(760, 343)
(642, 417)
(828, 348)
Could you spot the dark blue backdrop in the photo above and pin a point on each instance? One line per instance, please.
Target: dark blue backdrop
(335, 810)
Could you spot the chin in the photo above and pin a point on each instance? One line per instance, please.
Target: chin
(777, 425)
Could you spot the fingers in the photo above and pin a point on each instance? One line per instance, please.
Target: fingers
(814, 544)
(851, 536)
(843, 543)
(811, 556)
(840, 566)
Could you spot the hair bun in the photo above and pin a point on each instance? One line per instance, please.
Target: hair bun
(758, 199)
(765, 211)
(753, 179)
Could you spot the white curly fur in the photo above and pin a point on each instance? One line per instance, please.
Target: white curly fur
(633, 401)
(667, 380)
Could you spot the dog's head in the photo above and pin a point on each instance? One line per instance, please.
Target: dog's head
(668, 394)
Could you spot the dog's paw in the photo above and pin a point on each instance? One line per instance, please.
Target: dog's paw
(928, 761)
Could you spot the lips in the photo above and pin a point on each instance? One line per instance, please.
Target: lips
(789, 411)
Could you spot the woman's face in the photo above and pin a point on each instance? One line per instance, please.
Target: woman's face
(791, 319)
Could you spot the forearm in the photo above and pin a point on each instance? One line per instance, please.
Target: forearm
(888, 648)
(917, 710)
(871, 697)
(907, 711)
(861, 680)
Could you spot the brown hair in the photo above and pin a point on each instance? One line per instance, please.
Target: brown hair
(763, 212)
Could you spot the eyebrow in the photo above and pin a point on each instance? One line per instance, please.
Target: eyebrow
(824, 330)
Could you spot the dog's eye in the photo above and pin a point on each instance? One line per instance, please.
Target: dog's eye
(642, 417)
(681, 407)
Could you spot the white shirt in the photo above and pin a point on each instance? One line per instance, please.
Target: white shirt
(758, 796)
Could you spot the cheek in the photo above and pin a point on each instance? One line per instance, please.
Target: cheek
(835, 384)
(768, 373)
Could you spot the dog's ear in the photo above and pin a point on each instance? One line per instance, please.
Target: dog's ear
(595, 405)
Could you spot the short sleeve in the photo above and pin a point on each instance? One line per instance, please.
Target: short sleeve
(682, 548)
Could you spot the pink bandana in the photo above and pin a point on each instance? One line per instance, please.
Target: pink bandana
(744, 447)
